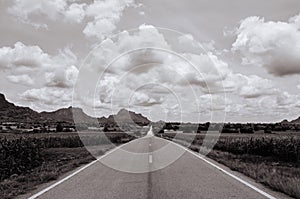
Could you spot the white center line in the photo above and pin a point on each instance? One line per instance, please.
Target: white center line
(149, 144)
(150, 159)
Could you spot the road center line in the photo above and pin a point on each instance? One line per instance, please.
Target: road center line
(150, 159)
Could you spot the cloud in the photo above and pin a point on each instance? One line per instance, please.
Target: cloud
(47, 98)
(50, 78)
(273, 45)
(106, 14)
(62, 77)
(24, 9)
(143, 99)
(21, 79)
(101, 16)
(22, 56)
(59, 70)
(254, 86)
(75, 12)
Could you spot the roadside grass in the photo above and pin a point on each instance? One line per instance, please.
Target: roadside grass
(27, 161)
(272, 161)
(56, 162)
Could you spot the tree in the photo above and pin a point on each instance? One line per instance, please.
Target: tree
(59, 127)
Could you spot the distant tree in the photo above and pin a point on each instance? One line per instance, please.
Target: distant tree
(105, 129)
(59, 127)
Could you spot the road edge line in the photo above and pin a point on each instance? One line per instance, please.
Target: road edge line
(224, 171)
(77, 171)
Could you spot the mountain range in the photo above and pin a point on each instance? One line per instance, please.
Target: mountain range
(9, 112)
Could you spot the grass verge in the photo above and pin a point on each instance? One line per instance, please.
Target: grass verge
(278, 173)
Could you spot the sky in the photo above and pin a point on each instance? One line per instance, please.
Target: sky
(193, 60)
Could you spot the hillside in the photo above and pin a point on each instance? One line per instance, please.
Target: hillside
(66, 115)
(12, 113)
(125, 116)
(296, 121)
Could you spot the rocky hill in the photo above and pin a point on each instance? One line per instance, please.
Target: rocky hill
(66, 115)
(12, 113)
(125, 116)
(296, 121)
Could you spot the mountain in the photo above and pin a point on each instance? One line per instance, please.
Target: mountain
(296, 121)
(66, 115)
(125, 116)
(12, 113)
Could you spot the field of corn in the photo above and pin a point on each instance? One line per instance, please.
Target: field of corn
(271, 160)
(28, 160)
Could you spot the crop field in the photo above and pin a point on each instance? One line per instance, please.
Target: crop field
(32, 159)
(273, 160)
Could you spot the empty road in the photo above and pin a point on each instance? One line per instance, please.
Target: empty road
(146, 168)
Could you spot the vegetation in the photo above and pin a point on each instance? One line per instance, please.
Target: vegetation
(271, 160)
(26, 161)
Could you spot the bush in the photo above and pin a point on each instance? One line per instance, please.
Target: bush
(18, 156)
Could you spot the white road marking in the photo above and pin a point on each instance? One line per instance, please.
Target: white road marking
(224, 171)
(150, 159)
(149, 144)
(76, 172)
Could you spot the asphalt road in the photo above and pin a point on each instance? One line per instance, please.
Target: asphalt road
(146, 168)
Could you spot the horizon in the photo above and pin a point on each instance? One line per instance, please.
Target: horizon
(115, 113)
(239, 67)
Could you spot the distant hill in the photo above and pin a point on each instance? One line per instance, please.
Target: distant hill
(297, 121)
(125, 116)
(12, 113)
(66, 115)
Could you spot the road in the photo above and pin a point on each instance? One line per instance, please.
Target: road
(145, 168)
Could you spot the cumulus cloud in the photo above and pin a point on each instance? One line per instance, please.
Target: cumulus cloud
(22, 56)
(62, 77)
(21, 79)
(75, 12)
(59, 69)
(273, 45)
(101, 16)
(143, 99)
(254, 86)
(50, 77)
(47, 98)
(106, 14)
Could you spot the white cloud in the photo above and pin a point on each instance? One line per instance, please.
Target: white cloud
(273, 45)
(48, 98)
(254, 86)
(99, 28)
(22, 56)
(48, 76)
(21, 79)
(62, 77)
(143, 99)
(24, 9)
(75, 12)
(101, 15)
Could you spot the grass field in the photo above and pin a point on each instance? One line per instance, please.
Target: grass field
(273, 160)
(32, 159)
